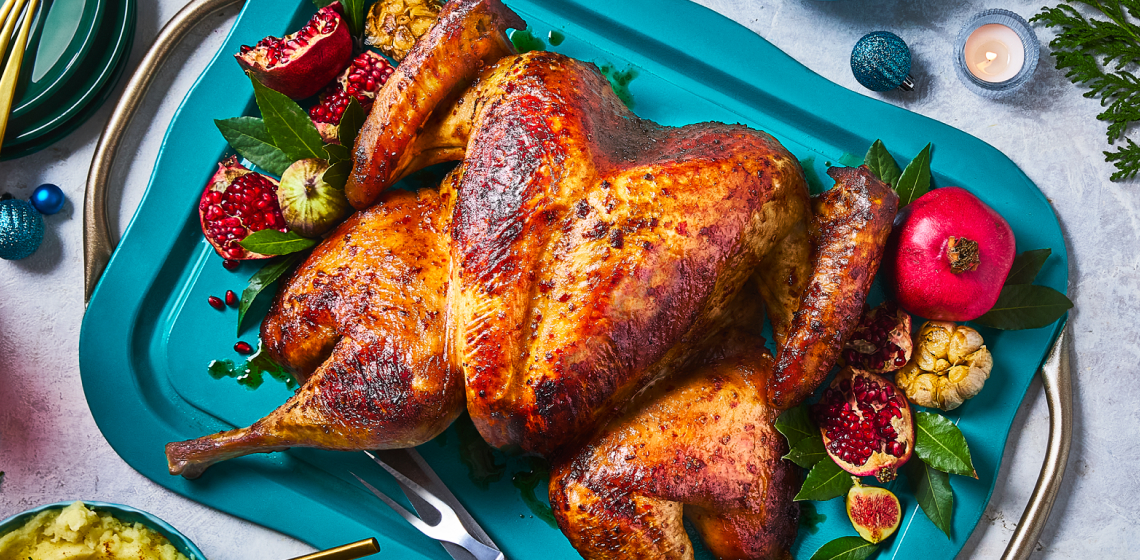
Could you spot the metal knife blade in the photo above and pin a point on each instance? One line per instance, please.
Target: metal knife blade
(412, 465)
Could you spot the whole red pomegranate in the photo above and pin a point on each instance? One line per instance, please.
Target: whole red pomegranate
(300, 64)
(236, 203)
(866, 422)
(949, 255)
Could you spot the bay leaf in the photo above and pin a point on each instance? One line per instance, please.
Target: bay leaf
(292, 130)
(354, 13)
(273, 242)
(915, 179)
(795, 424)
(350, 122)
(261, 280)
(1026, 266)
(941, 445)
(880, 162)
(249, 138)
(337, 153)
(1025, 306)
(933, 493)
(337, 174)
(845, 548)
(807, 452)
(824, 482)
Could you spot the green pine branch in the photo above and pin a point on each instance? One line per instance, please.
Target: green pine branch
(1098, 54)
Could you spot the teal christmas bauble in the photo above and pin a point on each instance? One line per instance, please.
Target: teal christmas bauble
(21, 229)
(881, 62)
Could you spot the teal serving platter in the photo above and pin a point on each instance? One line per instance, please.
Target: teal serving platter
(126, 514)
(149, 335)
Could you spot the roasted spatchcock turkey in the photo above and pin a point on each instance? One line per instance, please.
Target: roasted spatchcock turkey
(577, 255)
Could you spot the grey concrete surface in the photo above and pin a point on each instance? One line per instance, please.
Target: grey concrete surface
(51, 450)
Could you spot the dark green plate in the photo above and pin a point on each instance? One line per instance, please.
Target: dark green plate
(76, 53)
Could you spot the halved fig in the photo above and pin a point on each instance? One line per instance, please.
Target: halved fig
(302, 63)
(875, 512)
(867, 425)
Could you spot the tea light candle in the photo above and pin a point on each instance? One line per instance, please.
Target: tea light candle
(994, 53)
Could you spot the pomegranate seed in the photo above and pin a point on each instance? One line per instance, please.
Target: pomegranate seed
(231, 298)
(243, 347)
(216, 303)
(230, 264)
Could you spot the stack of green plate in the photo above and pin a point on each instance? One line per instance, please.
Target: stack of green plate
(76, 52)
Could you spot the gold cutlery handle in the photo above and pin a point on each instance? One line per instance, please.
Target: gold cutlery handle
(352, 551)
(98, 241)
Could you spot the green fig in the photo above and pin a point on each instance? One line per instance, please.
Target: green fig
(311, 206)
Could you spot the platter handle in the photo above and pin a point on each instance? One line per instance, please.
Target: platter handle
(1058, 383)
(98, 241)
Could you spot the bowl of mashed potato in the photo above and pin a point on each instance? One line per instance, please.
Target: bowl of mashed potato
(92, 531)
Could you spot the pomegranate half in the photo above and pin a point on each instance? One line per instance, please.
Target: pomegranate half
(949, 256)
(236, 203)
(300, 64)
(867, 425)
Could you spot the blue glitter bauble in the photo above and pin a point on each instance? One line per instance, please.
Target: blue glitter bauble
(21, 229)
(48, 199)
(881, 61)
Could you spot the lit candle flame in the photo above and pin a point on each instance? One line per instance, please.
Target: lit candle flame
(990, 56)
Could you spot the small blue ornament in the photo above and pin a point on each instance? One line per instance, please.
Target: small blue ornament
(881, 62)
(48, 199)
(21, 229)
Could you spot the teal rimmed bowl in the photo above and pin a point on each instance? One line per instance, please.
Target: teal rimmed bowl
(121, 512)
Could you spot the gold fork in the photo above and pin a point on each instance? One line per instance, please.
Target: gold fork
(9, 14)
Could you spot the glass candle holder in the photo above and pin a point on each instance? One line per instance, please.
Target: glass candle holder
(996, 53)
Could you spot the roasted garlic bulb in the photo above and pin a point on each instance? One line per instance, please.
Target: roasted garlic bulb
(950, 364)
(394, 25)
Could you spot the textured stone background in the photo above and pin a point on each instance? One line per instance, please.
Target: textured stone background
(51, 449)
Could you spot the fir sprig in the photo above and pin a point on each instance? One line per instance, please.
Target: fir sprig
(1098, 54)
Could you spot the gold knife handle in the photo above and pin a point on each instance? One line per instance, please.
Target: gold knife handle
(352, 551)
(98, 241)
(1058, 383)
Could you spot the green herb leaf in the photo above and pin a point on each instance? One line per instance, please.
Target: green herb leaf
(337, 174)
(824, 482)
(845, 548)
(1026, 266)
(1098, 54)
(1025, 306)
(337, 153)
(807, 452)
(251, 139)
(322, 3)
(292, 130)
(880, 162)
(796, 425)
(915, 179)
(350, 122)
(263, 279)
(932, 490)
(940, 444)
(273, 242)
(1126, 159)
(354, 13)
